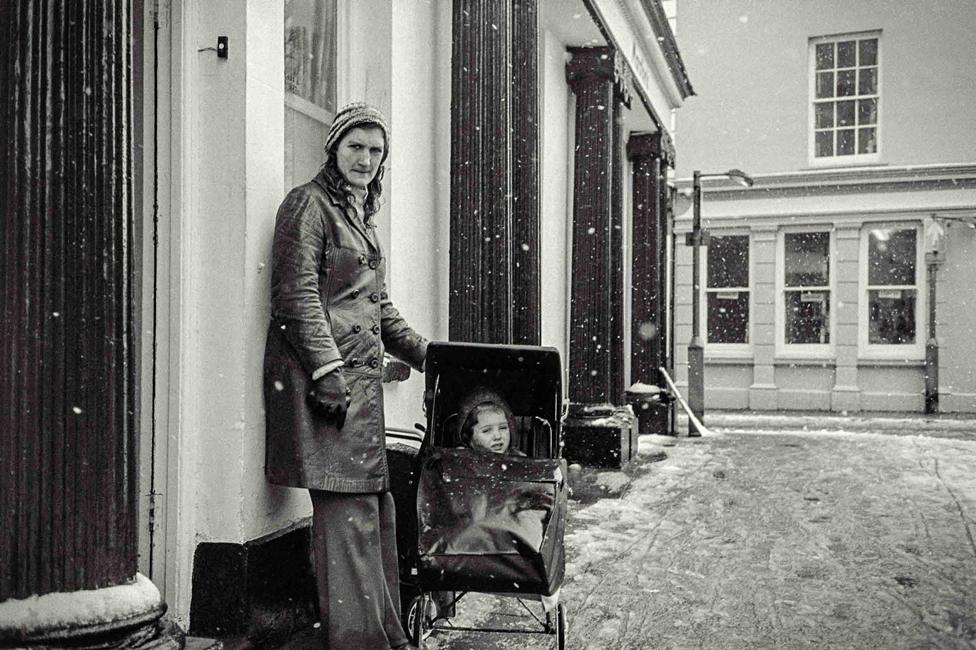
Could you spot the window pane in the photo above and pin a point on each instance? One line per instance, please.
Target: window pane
(728, 316)
(845, 82)
(825, 56)
(892, 316)
(866, 141)
(825, 84)
(825, 143)
(845, 113)
(867, 111)
(807, 259)
(845, 142)
(869, 52)
(310, 51)
(824, 115)
(808, 317)
(845, 54)
(867, 81)
(891, 256)
(728, 261)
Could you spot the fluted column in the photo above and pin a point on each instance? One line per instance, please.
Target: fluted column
(68, 492)
(598, 79)
(651, 154)
(481, 298)
(526, 255)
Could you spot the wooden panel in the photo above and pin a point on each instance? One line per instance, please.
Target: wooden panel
(67, 490)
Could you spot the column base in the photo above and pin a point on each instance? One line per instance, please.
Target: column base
(845, 398)
(123, 616)
(600, 435)
(763, 397)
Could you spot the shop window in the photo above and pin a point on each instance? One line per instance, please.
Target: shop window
(727, 290)
(310, 84)
(892, 287)
(845, 91)
(806, 288)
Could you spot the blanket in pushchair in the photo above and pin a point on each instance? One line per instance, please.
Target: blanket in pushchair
(490, 522)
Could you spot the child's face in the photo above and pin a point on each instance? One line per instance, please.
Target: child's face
(490, 432)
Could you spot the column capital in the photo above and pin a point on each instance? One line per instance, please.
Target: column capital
(590, 65)
(641, 146)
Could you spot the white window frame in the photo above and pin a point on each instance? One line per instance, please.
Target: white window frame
(786, 350)
(835, 160)
(309, 109)
(891, 351)
(728, 349)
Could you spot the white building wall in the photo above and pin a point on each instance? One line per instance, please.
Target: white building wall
(555, 194)
(418, 227)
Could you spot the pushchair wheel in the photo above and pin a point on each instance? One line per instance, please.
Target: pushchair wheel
(420, 626)
(561, 627)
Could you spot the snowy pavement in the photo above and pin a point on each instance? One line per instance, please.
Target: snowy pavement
(757, 538)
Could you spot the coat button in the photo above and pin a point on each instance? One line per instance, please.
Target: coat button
(374, 363)
(372, 264)
(357, 328)
(362, 259)
(355, 293)
(354, 363)
(375, 329)
(375, 297)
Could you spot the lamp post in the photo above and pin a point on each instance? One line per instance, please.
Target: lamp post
(696, 351)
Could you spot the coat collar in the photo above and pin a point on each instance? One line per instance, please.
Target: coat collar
(337, 196)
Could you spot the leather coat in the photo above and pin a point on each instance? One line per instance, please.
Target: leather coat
(329, 302)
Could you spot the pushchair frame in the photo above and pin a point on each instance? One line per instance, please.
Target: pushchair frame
(531, 379)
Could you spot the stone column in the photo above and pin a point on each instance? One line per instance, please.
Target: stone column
(481, 297)
(650, 154)
(598, 79)
(68, 489)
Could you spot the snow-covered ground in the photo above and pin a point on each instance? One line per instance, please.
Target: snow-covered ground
(837, 536)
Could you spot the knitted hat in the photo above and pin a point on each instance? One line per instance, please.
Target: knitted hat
(351, 116)
(479, 396)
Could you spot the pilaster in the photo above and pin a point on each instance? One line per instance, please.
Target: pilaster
(762, 392)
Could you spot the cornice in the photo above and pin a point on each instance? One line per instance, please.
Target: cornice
(843, 181)
(668, 44)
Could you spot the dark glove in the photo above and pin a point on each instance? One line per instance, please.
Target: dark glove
(329, 397)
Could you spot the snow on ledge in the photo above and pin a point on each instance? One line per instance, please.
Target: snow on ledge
(90, 610)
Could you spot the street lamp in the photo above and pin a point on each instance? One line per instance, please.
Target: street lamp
(696, 351)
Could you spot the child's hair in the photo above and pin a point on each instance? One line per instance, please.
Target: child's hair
(480, 400)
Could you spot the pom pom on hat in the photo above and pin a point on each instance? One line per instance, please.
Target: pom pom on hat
(351, 116)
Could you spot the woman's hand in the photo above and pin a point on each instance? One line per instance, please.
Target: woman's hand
(329, 397)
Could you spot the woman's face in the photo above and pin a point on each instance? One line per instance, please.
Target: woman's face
(359, 155)
(490, 432)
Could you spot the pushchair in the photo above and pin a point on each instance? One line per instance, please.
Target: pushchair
(484, 522)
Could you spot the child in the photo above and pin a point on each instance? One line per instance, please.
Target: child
(487, 422)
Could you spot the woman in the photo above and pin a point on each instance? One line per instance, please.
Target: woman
(331, 322)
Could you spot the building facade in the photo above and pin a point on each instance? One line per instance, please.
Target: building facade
(525, 192)
(839, 280)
